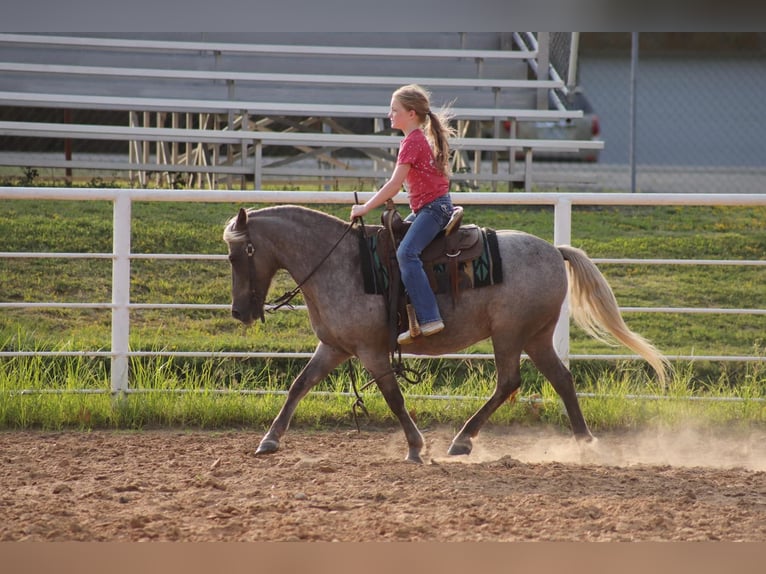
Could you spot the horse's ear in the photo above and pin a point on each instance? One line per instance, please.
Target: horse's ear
(241, 219)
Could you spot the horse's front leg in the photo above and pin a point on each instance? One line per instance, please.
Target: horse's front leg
(389, 388)
(324, 360)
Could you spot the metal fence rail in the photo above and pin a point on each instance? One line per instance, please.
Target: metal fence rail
(122, 256)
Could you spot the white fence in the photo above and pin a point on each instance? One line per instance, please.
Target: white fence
(121, 255)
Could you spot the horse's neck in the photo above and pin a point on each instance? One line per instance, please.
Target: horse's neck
(300, 240)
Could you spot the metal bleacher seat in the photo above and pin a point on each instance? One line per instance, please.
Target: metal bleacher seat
(217, 105)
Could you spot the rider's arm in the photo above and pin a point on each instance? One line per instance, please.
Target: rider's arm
(388, 191)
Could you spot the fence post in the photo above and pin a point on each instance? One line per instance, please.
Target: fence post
(120, 292)
(543, 64)
(633, 108)
(574, 48)
(257, 161)
(562, 235)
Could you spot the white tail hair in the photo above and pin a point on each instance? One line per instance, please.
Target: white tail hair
(595, 309)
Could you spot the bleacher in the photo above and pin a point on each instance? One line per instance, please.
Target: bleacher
(268, 107)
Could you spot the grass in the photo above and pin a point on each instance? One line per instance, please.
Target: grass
(207, 394)
(212, 393)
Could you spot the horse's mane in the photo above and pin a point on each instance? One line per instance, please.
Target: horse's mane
(295, 214)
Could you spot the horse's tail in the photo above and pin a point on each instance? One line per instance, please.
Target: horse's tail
(594, 308)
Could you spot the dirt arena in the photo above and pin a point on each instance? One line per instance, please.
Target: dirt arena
(519, 484)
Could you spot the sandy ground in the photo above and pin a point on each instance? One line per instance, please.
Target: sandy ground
(518, 484)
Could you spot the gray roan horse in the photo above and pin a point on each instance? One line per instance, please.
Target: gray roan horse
(519, 314)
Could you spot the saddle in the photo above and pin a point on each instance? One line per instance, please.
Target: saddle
(454, 245)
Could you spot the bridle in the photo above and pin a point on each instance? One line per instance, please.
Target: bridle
(251, 275)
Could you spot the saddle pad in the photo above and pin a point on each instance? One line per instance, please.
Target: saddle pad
(485, 270)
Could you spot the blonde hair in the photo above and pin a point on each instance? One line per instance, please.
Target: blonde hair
(438, 131)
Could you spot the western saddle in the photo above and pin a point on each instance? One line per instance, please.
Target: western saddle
(454, 245)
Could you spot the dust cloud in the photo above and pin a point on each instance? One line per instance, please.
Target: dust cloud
(690, 446)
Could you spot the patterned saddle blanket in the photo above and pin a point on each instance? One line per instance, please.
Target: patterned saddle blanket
(483, 267)
(464, 258)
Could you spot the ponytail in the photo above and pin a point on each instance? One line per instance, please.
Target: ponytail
(439, 134)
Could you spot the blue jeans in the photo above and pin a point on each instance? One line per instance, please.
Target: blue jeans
(426, 224)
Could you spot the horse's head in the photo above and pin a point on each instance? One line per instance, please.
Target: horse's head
(252, 269)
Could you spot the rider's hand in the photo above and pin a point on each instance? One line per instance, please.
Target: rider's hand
(358, 211)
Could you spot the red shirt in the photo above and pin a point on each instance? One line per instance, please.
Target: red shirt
(425, 182)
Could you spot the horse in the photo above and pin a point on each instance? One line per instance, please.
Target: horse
(518, 314)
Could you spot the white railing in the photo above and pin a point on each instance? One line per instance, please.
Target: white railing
(121, 256)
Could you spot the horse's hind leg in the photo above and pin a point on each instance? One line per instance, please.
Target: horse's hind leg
(507, 362)
(324, 360)
(544, 356)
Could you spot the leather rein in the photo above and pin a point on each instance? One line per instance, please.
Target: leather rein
(284, 299)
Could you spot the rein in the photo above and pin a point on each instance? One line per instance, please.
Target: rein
(284, 299)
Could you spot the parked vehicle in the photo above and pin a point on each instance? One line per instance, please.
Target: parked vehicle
(585, 128)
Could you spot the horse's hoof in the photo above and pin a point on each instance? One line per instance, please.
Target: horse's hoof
(585, 438)
(267, 446)
(414, 457)
(457, 449)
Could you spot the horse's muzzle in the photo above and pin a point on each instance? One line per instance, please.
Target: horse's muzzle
(246, 317)
(237, 314)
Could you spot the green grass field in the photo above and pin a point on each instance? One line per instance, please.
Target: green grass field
(639, 232)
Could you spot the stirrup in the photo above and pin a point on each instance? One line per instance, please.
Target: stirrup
(405, 338)
(408, 336)
(412, 319)
(455, 220)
